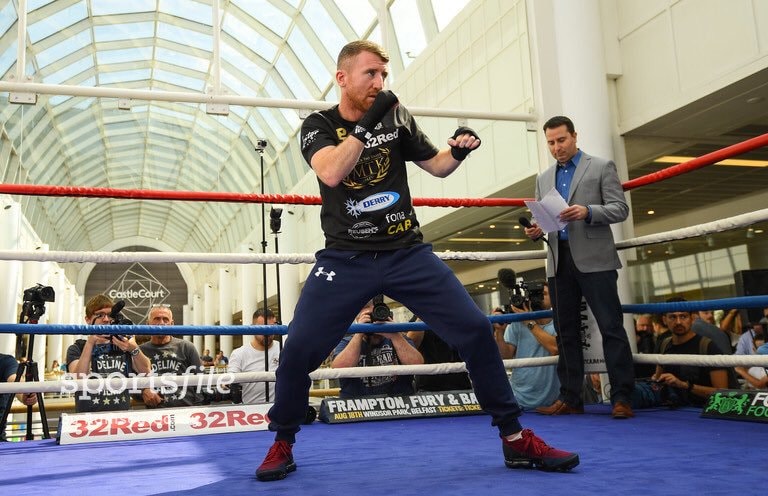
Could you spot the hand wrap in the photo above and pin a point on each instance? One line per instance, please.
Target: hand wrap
(384, 101)
(461, 153)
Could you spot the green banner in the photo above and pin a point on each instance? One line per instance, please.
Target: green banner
(736, 404)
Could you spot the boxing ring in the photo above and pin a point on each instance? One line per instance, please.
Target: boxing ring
(660, 451)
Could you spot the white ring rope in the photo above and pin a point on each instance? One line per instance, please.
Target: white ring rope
(729, 223)
(204, 380)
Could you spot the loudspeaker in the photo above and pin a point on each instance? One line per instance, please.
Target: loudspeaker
(751, 283)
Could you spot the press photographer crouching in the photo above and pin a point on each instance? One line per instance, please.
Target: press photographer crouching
(367, 350)
(103, 354)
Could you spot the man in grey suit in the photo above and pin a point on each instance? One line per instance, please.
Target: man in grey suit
(583, 261)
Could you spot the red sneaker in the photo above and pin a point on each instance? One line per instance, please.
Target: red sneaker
(277, 464)
(532, 452)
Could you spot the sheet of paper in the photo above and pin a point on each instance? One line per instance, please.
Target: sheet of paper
(546, 211)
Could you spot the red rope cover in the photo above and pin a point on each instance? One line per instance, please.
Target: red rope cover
(221, 196)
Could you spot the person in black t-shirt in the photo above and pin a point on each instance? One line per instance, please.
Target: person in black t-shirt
(692, 382)
(358, 150)
(435, 350)
(375, 349)
(102, 355)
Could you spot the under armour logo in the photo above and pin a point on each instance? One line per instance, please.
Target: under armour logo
(328, 275)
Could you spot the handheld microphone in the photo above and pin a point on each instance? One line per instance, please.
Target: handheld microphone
(527, 224)
(507, 278)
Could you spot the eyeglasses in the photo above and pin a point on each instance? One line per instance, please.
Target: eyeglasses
(101, 315)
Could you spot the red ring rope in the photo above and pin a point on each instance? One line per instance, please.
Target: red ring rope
(219, 196)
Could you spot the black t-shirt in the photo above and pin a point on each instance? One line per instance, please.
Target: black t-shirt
(371, 208)
(435, 350)
(695, 374)
(372, 356)
(105, 360)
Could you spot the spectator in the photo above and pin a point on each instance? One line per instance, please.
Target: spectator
(207, 359)
(252, 357)
(220, 360)
(533, 386)
(693, 384)
(104, 354)
(731, 324)
(660, 329)
(171, 356)
(704, 325)
(646, 343)
(435, 350)
(748, 344)
(361, 350)
(8, 369)
(583, 262)
(55, 368)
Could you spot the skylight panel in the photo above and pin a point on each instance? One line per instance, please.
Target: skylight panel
(55, 23)
(250, 38)
(360, 15)
(267, 14)
(325, 27)
(179, 79)
(123, 76)
(193, 11)
(108, 7)
(314, 66)
(243, 63)
(184, 36)
(182, 59)
(292, 79)
(127, 31)
(73, 69)
(7, 17)
(123, 55)
(64, 48)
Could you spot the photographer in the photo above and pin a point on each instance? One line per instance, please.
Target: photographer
(365, 350)
(104, 354)
(533, 386)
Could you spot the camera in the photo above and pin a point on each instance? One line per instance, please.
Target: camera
(274, 219)
(380, 312)
(39, 294)
(529, 294)
(261, 144)
(119, 319)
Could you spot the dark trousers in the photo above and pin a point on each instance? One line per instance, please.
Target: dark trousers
(600, 291)
(341, 282)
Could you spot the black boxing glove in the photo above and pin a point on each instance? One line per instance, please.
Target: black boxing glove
(384, 101)
(461, 153)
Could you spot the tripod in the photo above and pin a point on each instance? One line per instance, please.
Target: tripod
(31, 312)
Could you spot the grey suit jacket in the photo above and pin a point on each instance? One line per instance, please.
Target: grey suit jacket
(595, 184)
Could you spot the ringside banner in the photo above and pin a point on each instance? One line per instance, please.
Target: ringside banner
(438, 404)
(737, 404)
(98, 427)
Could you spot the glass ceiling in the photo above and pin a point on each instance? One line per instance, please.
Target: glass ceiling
(278, 49)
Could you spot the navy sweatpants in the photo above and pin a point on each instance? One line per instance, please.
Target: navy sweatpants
(341, 282)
